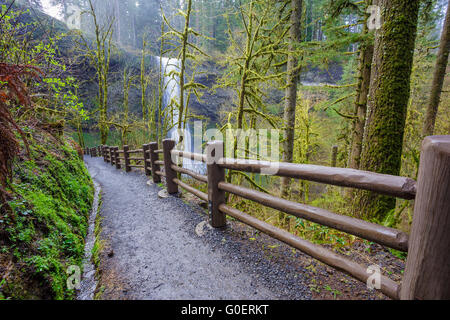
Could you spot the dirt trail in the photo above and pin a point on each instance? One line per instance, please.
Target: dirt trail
(154, 252)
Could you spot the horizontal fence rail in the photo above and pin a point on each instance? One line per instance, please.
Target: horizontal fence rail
(381, 183)
(192, 190)
(189, 155)
(363, 229)
(197, 176)
(388, 287)
(427, 274)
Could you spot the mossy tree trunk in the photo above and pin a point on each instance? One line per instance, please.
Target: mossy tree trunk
(438, 78)
(364, 71)
(184, 43)
(388, 98)
(100, 57)
(293, 72)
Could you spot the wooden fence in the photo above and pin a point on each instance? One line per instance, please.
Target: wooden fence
(427, 273)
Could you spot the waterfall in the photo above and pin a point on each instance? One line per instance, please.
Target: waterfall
(171, 92)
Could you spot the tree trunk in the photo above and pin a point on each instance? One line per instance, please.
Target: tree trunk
(291, 91)
(388, 98)
(364, 70)
(118, 21)
(309, 19)
(438, 78)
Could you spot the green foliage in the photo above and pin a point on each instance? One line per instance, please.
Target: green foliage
(334, 292)
(399, 254)
(56, 98)
(250, 62)
(51, 206)
(99, 243)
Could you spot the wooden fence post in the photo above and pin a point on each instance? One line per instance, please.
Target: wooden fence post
(147, 165)
(153, 158)
(111, 155)
(216, 174)
(427, 273)
(108, 158)
(104, 152)
(126, 155)
(99, 151)
(171, 174)
(116, 156)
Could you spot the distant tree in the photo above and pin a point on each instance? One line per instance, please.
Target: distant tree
(362, 91)
(185, 51)
(438, 78)
(292, 79)
(99, 55)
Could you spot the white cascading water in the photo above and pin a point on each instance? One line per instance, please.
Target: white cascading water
(172, 91)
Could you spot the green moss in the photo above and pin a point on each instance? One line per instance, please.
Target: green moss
(390, 91)
(99, 243)
(53, 198)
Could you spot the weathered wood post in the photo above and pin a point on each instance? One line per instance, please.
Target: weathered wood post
(104, 153)
(216, 174)
(99, 151)
(111, 155)
(334, 154)
(108, 159)
(147, 164)
(171, 174)
(126, 155)
(153, 158)
(116, 156)
(427, 273)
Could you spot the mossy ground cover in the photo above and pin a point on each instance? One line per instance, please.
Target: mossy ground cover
(45, 233)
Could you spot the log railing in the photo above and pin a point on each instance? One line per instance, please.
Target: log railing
(427, 274)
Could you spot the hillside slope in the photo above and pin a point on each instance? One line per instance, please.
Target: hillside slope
(43, 233)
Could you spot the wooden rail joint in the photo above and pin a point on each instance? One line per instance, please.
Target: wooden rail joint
(153, 147)
(126, 155)
(147, 165)
(116, 156)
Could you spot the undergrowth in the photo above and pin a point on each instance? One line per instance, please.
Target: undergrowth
(53, 193)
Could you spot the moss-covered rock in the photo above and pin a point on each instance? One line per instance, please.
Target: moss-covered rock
(44, 235)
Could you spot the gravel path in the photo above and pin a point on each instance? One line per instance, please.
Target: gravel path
(154, 252)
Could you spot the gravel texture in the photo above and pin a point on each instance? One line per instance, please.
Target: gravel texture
(155, 249)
